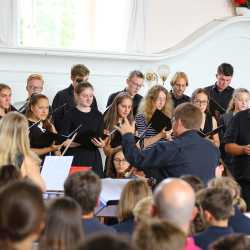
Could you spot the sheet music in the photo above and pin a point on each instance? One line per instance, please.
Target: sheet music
(55, 170)
(111, 189)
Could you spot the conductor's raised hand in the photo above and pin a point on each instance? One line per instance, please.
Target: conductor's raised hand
(126, 127)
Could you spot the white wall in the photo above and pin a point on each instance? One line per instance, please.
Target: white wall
(168, 22)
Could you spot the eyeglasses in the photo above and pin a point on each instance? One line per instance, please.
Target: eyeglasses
(200, 102)
(119, 161)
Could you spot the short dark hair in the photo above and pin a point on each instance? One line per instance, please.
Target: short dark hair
(217, 201)
(194, 181)
(225, 69)
(85, 188)
(231, 242)
(8, 174)
(136, 73)
(189, 114)
(105, 241)
(79, 70)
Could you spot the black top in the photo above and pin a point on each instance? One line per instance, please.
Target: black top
(87, 154)
(239, 132)
(219, 97)
(205, 238)
(62, 97)
(208, 126)
(136, 100)
(187, 154)
(178, 101)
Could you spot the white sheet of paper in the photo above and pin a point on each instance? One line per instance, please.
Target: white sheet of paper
(55, 171)
(111, 189)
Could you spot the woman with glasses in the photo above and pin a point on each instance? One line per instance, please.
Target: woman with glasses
(200, 99)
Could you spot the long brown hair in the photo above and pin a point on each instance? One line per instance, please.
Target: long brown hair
(63, 228)
(147, 105)
(34, 99)
(200, 91)
(111, 117)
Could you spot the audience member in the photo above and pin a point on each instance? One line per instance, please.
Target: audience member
(133, 192)
(5, 100)
(8, 174)
(102, 241)
(21, 215)
(237, 143)
(34, 85)
(174, 201)
(208, 124)
(85, 188)
(189, 153)
(63, 227)
(179, 83)
(134, 83)
(221, 93)
(239, 222)
(64, 99)
(158, 235)
(194, 181)
(143, 210)
(16, 148)
(232, 242)
(217, 205)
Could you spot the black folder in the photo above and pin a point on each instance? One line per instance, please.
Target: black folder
(159, 121)
(211, 133)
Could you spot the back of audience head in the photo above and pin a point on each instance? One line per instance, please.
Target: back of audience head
(8, 174)
(35, 84)
(63, 228)
(5, 97)
(135, 82)
(108, 241)
(133, 192)
(85, 188)
(224, 76)
(158, 235)
(179, 83)
(240, 100)
(194, 181)
(216, 203)
(232, 186)
(142, 211)
(186, 116)
(79, 72)
(174, 201)
(21, 215)
(231, 242)
(157, 98)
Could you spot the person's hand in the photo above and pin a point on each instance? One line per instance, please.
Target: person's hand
(166, 134)
(219, 171)
(54, 147)
(246, 149)
(126, 127)
(98, 143)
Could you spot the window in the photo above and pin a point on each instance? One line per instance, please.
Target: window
(74, 24)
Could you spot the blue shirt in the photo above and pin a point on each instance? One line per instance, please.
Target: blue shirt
(204, 239)
(187, 154)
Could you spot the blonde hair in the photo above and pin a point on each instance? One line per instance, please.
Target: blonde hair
(134, 191)
(178, 76)
(146, 107)
(14, 134)
(237, 92)
(142, 210)
(35, 77)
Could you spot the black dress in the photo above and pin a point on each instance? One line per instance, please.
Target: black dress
(87, 154)
(208, 126)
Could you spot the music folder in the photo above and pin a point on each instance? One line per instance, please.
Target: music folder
(211, 133)
(159, 121)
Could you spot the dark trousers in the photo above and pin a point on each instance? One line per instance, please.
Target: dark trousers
(245, 191)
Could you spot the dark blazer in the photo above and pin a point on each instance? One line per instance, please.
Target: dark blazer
(92, 226)
(62, 97)
(125, 227)
(205, 238)
(187, 154)
(239, 222)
